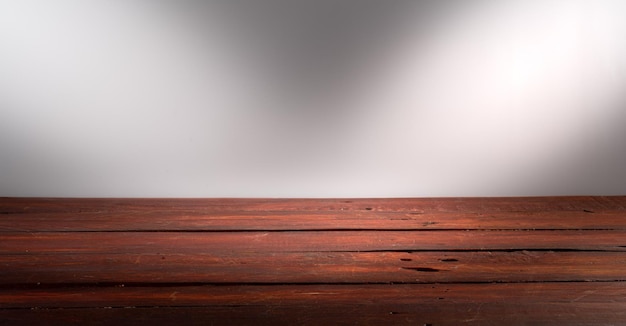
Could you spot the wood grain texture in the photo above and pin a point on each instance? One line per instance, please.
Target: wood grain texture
(55, 214)
(405, 261)
(120, 296)
(436, 304)
(280, 268)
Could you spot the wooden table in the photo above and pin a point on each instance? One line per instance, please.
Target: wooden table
(437, 261)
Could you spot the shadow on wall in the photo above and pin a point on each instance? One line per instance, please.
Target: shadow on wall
(326, 98)
(312, 52)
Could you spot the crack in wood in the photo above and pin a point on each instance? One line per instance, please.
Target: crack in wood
(424, 269)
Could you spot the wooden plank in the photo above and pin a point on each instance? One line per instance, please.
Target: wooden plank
(425, 205)
(314, 267)
(54, 214)
(571, 314)
(173, 220)
(467, 304)
(361, 294)
(307, 241)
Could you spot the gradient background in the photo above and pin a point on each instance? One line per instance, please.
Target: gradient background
(319, 98)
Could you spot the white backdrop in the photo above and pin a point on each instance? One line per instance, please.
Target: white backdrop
(319, 98)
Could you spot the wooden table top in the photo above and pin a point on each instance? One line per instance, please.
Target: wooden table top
(404, 261)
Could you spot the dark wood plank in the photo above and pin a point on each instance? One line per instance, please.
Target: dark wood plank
(489, 304)
(435, 314)
(361, 294)
(326, 241)
(314, 267)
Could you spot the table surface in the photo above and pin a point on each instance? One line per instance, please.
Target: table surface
(402, 261)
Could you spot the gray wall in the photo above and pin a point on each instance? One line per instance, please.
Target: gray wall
(320, 98)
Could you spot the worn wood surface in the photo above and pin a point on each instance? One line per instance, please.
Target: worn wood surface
(413, 261)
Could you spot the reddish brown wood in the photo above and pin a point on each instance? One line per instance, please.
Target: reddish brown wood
(322, 241)
(440, 205)
(198, 220)
(439, 313)
(315, 267)
(356, 294)
(449, 304)
(437, 304)
(53, 214)
(439, 261)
